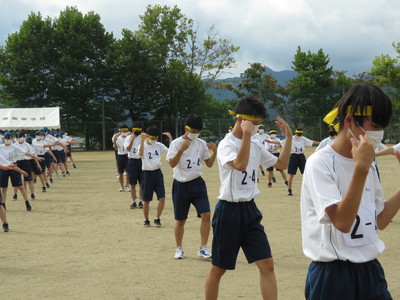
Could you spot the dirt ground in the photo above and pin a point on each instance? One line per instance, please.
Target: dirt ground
(82, 241)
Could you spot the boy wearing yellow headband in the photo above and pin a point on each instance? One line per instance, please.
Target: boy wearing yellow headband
(122, 156)
(342, 203)
(237, 221)
(186, 155)
(153, 179)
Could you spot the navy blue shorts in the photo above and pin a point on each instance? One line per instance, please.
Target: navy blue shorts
(35, 169)
(122, 162)
(296, 161)
(61, 154)
(238, 225)
(153, 181)
(56, 153)
(48, 159)
(186, 193)
(134, 169)
(69, 150)
(26, 165)
(14, 175)
(272, 168)
(346, 280)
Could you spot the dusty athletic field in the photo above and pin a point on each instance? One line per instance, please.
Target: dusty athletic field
(81, 241)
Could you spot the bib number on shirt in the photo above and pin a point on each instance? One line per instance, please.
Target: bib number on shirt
(298, 150)
(364, 230)
(151, 154)
(248, 179)
(192, 162)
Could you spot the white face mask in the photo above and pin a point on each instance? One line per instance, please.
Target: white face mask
(376, 137)
(192, 136)
(39, 138)
(261, 131)
(124, 134)
(150, 141)
(7, 142)
(21, 140)
(273, 136)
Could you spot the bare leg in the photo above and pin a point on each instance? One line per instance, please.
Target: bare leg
(205, 227)
(291, 176)
(146, 208)
(212, 282)
(268, 285)
(3, 214)
(160, 207)
(179, 230)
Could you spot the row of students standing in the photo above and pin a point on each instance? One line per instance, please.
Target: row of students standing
(21, 154)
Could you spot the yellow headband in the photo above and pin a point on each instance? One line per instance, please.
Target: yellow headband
(246, 117)
(137, 129)
(331, 116)
(190, 128)
(122, 129)
(153, 136)
(272, 131)
(299, 131)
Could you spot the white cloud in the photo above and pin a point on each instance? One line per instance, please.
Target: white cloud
(352, 33)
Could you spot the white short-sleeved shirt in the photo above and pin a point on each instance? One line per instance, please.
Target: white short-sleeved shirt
(299, 144)
(191, 162)
(325, 180)
(38, 148)
(134, 152)
(396, 147)
(121, 145)
(270, 146)
(325, 142)
(4, 161)
(151, 159)
(22, 149)
(261, 137)
(49, 139)
(9, 152)
(238, 186)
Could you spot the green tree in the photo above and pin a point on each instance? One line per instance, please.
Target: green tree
(312, 91)
(25, 63)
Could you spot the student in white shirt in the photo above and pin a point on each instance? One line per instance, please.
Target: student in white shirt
(272, 146)
(122, 156)
(236, 220)
(262, 137)
(330, 139)
(297, 157)
(186, 155)
(153, 179)
(134, 167)
(342, 203)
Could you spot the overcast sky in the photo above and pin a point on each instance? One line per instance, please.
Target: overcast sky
(351, 32)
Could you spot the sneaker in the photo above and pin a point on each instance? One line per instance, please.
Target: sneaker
(133, 205)
(121, 189)
(179, 253)
(58, 177)
(157, 222)
(15, 197)
(74, 166)
(269, 184)
(273, 179)
(63, 174)
(289, 192)
(33, 196)
(67, 173)
(117, 175)
(44, 189)
(204, 253)
(51, 180)
(263, 173)
(47, 185)
(127, 188)
(34, 181)
(140, 204)
(5, 227)
(28, 206)
(146, 223)
(286, 182)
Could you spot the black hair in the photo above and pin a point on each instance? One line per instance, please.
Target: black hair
(124, 126)
(153, 130)
(19, 134)
(137, 125)
(359, 97)
(194, 121)
(251, 105)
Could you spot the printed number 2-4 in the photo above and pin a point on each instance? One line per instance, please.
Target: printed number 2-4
(354, 234)
(252, 178)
